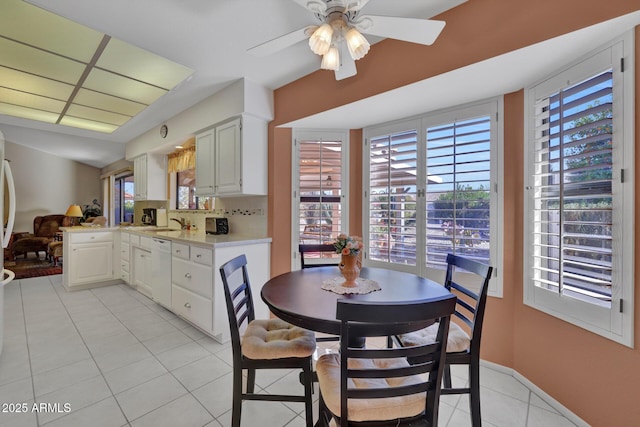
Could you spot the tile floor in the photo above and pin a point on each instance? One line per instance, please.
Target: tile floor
(115, 358)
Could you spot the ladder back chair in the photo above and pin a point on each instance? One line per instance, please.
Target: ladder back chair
(377, 386)
(462, 348)
(265, 344)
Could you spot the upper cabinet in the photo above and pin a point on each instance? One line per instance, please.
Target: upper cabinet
(150, 177)
(231, 158)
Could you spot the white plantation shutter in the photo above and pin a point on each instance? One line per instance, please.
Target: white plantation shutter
(578, 212)
(458, 191)
(573, 200)
(392, 200)
(320, 190)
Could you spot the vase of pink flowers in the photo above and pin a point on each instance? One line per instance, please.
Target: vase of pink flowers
(350, 248)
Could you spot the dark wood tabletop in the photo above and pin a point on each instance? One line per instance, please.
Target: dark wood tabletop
(297, 296)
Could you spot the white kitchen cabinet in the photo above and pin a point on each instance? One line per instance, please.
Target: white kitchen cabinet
(192, 279)
(88, 259)
(205, 175)
(231, 158)
(150, 177)
(125, 257)
(142, 270)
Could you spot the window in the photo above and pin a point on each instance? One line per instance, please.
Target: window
(319, 183)
(186, 191)
(392, 201)
(433, 190)
(123, 198)
(577, 203)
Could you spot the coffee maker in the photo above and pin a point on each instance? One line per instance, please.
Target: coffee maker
(149, 216)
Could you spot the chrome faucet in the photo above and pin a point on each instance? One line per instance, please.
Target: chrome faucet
(180, 221)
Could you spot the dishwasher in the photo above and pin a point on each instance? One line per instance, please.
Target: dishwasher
(161, 271)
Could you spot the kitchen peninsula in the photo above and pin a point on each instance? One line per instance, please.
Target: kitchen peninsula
(177, 269)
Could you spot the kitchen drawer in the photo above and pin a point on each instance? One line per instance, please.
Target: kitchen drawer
(202, 255)
(180, 250)
(91, 237)
(195, 277)
(192, 307)
(124, 250)
(124, 275)
(124, 266)
(146, 242)
(134, 239)
(125, 237)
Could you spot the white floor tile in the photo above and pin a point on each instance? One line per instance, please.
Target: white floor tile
(201, 372)
(129, 376)
(119, 359)
(185, 411)
(146, 397)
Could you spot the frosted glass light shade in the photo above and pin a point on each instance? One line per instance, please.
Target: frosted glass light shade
(331, 59)
(357, 44)
(320, 40)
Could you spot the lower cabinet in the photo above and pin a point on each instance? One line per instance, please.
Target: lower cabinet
(197, 293)
(88, 259)
(142, 270)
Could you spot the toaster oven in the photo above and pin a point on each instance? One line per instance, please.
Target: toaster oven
(216, 225)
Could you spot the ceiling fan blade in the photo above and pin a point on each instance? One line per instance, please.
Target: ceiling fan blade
(354, 5)
(315, 6)
(282, 42)
(423, 31)
(347, 65)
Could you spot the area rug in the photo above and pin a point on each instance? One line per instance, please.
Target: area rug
(32, 268)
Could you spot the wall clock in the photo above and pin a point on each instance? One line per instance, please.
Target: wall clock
(164, 130)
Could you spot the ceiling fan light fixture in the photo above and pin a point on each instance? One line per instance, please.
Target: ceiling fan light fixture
(358, 45)
(331, 59)
(320, 40)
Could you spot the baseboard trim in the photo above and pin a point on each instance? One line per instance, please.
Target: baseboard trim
(537, 390)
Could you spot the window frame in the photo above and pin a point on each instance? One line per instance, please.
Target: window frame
(319, 135)
(494, 107)
(616, 322)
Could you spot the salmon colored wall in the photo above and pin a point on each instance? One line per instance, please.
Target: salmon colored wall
(595, 378)
(355, 183)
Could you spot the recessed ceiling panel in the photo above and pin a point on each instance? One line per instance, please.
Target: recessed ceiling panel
(140, 64)
(99, 100)
(28, 113)
(37, 27)
(112, 84)
(87, 124)
(35, 61)
(97, 115)
(23, 99)
(33, 84)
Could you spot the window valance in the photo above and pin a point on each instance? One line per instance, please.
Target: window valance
(182, 160)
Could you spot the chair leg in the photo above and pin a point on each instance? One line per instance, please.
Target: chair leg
(324, 416)
(251, 380)
(308, 393)
(447, 376)
(474, 397)
(237, 397)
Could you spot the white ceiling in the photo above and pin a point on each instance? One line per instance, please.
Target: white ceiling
(211, 37)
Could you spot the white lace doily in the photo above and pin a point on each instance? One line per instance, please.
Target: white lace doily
(364, 286)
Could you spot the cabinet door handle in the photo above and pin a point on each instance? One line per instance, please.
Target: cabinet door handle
(177, 251)
(188, 275)
(198, 256)
(186, 304)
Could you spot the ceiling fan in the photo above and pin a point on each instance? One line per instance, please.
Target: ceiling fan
(338, 38)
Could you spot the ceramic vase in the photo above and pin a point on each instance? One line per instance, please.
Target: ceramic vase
(350, 270)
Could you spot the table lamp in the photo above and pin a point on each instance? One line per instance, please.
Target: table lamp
(74, 212)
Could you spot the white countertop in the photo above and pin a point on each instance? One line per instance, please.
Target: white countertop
(184, 236)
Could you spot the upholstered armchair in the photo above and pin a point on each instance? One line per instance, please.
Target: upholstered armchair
(44, 229)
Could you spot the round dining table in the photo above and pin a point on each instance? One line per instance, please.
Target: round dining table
(298, 298)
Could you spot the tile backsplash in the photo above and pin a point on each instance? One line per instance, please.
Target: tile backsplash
(246, 215)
